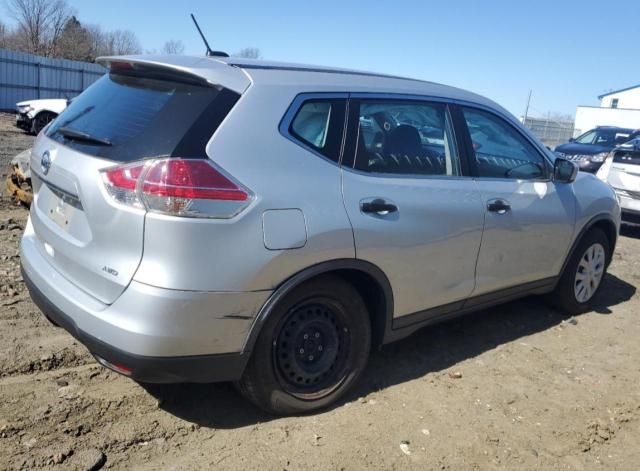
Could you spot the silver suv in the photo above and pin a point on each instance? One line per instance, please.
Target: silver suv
(211, 219)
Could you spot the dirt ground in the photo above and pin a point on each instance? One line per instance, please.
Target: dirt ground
(519, 386)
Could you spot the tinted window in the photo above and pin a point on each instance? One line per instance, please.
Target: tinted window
(604, 137)
(586, 138)
(144, 117)
(500, 150)
(320, 125)
(401, 137)
(628, 153)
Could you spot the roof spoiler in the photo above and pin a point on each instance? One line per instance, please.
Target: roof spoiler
(140, 67)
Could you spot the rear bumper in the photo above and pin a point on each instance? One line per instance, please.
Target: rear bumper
(630, 216)
(196, 368)
(159, 335)
(630, 208)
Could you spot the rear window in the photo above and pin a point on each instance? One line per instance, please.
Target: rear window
(143, 117)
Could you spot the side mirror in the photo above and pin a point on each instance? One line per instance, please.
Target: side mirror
(571, 139)
(564, 171)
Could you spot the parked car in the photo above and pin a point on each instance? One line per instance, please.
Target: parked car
(33, 115)
(590, 149)
(221, 219)
(622, 171)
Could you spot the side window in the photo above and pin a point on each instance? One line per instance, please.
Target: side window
(404, 137)
(319, 124)
(501, 151)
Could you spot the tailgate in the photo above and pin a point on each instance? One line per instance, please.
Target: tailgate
(91, 235)
(89, 240)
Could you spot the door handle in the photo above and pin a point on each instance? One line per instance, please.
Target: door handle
(498, 205)
(378, 206)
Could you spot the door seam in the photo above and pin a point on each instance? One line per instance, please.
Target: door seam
(484, 223)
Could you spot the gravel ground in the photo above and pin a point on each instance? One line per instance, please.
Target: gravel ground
(520, 386)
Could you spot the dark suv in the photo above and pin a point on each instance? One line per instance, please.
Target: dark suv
(591, 148)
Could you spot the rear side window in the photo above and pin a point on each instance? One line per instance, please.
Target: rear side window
(403, 137)
(319, 124)
(138, 117)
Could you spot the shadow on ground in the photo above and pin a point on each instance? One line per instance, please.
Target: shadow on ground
(432, 349)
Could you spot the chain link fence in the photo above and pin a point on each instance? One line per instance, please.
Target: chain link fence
(551, 132)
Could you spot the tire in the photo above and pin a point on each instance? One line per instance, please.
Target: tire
(573, 295)
(311, 350)
(40, 120)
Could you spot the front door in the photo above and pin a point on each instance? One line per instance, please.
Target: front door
(529, 219)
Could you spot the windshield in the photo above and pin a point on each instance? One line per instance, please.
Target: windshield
(139, 117)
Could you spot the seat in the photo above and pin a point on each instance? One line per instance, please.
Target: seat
(403, 141)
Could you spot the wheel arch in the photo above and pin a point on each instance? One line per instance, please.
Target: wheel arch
(45, 110)
(40, 113)
(601, 221)
(360, 274)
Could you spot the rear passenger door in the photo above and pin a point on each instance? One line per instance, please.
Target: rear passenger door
(529, 219)
(414, 212)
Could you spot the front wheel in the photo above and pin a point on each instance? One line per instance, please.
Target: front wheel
(311, 350)
(41, 120)
(583, 274)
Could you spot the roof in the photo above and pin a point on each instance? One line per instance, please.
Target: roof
(600, 97)
(618, 128)
(260, 64)
(318, 78)
(239, 73)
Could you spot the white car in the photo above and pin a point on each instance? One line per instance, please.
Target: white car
(34, 115)
(622, 171)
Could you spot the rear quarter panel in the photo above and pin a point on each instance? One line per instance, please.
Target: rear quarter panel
(230, 255)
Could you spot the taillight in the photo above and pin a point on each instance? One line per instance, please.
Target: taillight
(121, 183)
(179, 187)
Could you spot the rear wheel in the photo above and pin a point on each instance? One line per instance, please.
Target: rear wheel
(311, 350)
(41, 120)
(583, 275)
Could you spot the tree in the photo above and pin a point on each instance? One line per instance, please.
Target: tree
(75, 42)
(249, 53)
(121, 42)
(109, 43)
(39, 23)
(173, 47)
(50, 28)
(3, 35)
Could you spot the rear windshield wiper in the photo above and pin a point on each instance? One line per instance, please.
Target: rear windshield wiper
(76, 135)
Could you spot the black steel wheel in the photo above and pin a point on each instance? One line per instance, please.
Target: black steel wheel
(311, 350)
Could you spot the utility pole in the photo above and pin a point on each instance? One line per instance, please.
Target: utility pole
(526, 110)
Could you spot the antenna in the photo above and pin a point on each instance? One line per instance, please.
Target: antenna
(209, 51)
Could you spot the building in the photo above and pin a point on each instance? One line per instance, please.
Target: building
(617, 108)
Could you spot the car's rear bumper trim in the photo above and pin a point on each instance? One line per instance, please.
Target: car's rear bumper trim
(195, 368)
(630, 216)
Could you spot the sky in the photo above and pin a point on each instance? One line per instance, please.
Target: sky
(566, 52)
